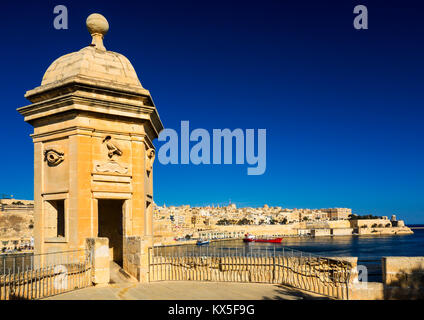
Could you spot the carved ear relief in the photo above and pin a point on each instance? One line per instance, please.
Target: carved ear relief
(150, 155)
(53, 157)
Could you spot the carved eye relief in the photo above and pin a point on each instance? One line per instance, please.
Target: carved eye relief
(53, 157)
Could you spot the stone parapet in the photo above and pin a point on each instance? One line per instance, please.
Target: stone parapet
(403, 277)
(326, 276)
(396, 267)
(136, 257)
(366, 291)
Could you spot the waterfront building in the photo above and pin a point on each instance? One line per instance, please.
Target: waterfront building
(338, 213)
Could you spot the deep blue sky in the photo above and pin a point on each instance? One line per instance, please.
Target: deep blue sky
(343, 108)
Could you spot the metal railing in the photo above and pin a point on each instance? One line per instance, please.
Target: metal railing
(282, 265)
(35, 276)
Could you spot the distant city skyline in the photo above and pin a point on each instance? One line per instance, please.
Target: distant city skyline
(225, 204)
(343, 108)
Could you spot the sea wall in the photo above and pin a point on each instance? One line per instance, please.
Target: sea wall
(277, 229)
(342, 232)
(323, 228)
(330, 224)
(385, 231)
(320, 232)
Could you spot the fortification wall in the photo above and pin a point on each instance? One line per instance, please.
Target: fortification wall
(289, 230)
(342, 232)
(342, 224)
(368, 223)
(16, 225)
(385, 231)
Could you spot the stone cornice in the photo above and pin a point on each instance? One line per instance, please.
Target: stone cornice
(35, 94)
(80, 130)
(73, 93)
(76, 101)
(80, 102)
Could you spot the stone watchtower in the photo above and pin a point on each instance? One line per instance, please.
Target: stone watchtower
(93, 129)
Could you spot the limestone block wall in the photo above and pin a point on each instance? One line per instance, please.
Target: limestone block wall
(368, 291)
(260, 229)
(362, 223)
(342, 232)
(384, 231)
(16, 224)
(403, 277)
(399, 223)
(339, 224)
(99, 250)
(136, 257)
(320, 232)
(338, 228)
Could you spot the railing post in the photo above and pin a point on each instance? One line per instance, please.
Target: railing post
(99, 251)
(137, 257)
(148, 258)
(348, 274)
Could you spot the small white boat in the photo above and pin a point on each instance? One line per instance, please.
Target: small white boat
(201, 242)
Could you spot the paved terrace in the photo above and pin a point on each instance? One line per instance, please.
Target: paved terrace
(188, 290)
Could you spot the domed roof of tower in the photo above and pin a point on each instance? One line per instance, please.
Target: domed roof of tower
(94, 61)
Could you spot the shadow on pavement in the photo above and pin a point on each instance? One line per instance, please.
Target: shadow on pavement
(286, 293)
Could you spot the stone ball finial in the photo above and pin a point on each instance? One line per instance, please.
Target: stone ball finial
(98, 26)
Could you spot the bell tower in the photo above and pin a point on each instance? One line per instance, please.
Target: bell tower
(94, 125)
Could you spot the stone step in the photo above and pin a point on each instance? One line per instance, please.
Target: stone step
(118, 274)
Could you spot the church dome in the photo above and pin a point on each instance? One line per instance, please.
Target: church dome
(94, 61)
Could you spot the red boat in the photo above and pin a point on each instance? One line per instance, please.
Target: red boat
(251, 238)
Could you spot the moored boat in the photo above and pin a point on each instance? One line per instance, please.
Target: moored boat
(202, 242)
(251, 238)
